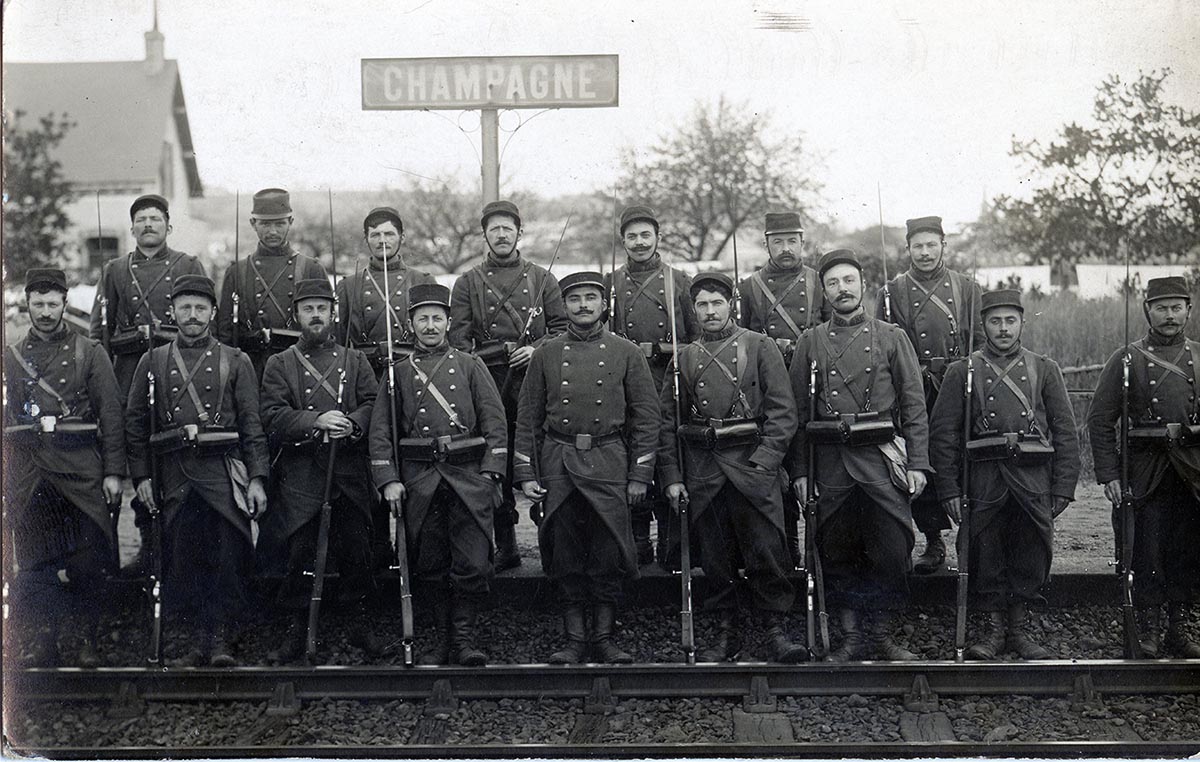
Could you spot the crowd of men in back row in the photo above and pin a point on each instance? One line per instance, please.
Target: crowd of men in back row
(437, 405)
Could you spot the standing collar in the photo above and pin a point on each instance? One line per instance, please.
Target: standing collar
(513, 262)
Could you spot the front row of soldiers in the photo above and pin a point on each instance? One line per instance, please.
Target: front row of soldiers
(580, 417)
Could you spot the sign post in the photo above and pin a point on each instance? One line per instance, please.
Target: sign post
(489, 84)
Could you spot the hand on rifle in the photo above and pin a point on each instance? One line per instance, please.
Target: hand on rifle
(533, 490)
(1059, 505)
(953, 508)
(145, 493)
(635, 492)
(677, 494)
(519, 357)
(916, 483)
(1112, 491)
(112, 492)
(800, 487)
(335, 423)
(256, 496)
(393, 495)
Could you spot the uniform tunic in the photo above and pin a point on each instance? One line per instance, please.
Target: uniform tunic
(862, 365)
(640, 309)
(734, 373)
(361, 302)
(1165, 482)
(138, 290)
(265, 282)
(782, 303)
(592, 384)
(1012, 528)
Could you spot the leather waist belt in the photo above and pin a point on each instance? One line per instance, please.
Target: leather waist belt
(852, 430)
(1167, 436)
(456, 449)
(1025, 449)
(140, 339)
(721, 433)
(206, 441)
(936, 365)
(495, 353)
(656, 350)
(64, 434)
(268, 338)
(377, 354)
(583, 441)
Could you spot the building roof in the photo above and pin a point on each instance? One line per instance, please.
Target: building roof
(119, 108)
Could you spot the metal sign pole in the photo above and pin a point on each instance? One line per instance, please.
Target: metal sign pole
(489, 132)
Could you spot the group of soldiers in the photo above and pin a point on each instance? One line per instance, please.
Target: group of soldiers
(322, 412)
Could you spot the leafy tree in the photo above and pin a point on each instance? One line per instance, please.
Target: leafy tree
(719, 171)
(35, 192)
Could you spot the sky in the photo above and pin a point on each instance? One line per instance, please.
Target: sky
(921, 97)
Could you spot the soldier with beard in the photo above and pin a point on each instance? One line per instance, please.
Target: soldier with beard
(213, 469)
(639, 305)
(1164, 464)
(265, 283)
(453, 450)
(64, 456)
(783, 299)
(489, 311)
(586, 437)
(301, 414)
(1024, 455)
(932, 304)
(871, 435)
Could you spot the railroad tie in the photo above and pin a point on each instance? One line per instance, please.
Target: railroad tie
(926, 727)
(127, 702)
(434, 724)
(757, 721)
(591, 726)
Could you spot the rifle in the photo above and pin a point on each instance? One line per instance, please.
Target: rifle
(887, 294)
(322, 551)
(1133, 646)
(105, 339)
(237, 228)
(535, 309)
(156, 565)
(688, 634)
(401, 537)
(964, 524)
(816, 617)
(737, 294)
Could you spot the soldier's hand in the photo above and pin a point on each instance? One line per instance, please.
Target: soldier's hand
(519, 357)
(1059, 505)
(953, 509)
(393, 495)
(800, 487)
(534, 491)
(145, 493)
(1112, 491)
(677, 493)
(256, 495)
(335, 423)
(112, 491)
(635, 492)
(916, 483)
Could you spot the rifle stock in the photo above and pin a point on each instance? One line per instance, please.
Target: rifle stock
(687, 626)
(155, 580)
(816, 616)
(322, 549)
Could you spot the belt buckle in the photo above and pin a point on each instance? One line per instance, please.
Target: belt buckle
(48, 423)
(191, 432)
(439, 447)
(1174, 434)
(583, 441)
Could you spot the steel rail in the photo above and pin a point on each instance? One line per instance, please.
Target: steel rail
(538, 681)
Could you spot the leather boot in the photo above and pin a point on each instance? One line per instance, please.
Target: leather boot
(462, 631)
(641, 537)
(42, 649)
(728, 643)
(853, 640)
(88, 658)
(604, 618)
(507, 555)
(779, 646)
(883, 625)
(934, 555)
(221, 650)
(1018, 638)
(991, 640)
(575, 628)
(1150, 624)
(294, 640)
(438, 652)
(1177, 641)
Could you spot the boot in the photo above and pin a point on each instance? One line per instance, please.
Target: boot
(779, 646)
(1018, 639)
(462, 630)
(882, 626)
(853, 641)
(42, 649)
(575, 629)
(991, 641)
(604, 616)
(1177, 641)
(641, 537)
(221, 650)
(88, 658)
(294, 640)
(934, 555)
(438, 652)
(507, 555)
(728, 643)
(1150, 623)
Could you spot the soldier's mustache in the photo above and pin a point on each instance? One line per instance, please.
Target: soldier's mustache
(192, 322)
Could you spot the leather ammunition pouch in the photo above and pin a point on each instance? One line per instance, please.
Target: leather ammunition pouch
(853, 430)
(787, 347)
(138, 340)
(495, 353)
(656, 350)
(212, 441)
(455, 450)
(1166, 436)
(275, 339)
(1025, 449)
(64, 434)
(722, 433)
(377, 354)
(936, 366)
(583, 441)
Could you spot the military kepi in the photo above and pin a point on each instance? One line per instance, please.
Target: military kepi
(1172, 287)
(150, 200)
(585, 278)
(1005, 297)
(638, 213)
(45, 278)
(200, 285)
(837, 257)
(381, 214)
(425, 294)
(271, 204)
(712, 282)
(313, 288)
(923, 224)
(499, 207)
(782, 222)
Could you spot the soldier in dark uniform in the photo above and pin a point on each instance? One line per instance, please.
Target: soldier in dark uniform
(453, 444)
(872, 454)
(64, 457)
(782, 299)
(212, 466)
(314, 392)
(1024, 454)
(265, 283)
(586, 436)
(739, 417)
(933, 304)
(1164, 464)
(489, 312)
(133, 307)
(639, 306)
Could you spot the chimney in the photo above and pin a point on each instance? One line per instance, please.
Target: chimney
(155, 58)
